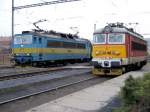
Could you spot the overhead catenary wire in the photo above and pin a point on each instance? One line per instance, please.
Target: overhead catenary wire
(146, 34)
(34, 5)
(43, 3)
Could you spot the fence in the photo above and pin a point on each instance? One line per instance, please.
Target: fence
(5, 59)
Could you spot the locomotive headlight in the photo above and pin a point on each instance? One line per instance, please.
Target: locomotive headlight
(28, 54)
(22, 45)
(17, 54)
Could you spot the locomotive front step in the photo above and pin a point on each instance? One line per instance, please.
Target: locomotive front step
(106, 71)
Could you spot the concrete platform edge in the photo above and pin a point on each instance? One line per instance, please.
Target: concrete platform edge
(91, 99)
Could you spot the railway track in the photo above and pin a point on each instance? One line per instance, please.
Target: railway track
(24, 74)
(30, 72)
(6, 67)
(56, 84)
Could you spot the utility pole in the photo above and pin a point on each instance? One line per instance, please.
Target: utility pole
(12, 21)
(94, 27)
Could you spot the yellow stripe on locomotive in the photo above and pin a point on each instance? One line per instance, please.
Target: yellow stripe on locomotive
(49, 50)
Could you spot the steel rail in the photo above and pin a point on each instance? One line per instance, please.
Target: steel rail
(5, 67)
(29, 74)
(48, 90)
(24, 74)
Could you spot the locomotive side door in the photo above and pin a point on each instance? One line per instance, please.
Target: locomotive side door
(40, 46)
(37, 46)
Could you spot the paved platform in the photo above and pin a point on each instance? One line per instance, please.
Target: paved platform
(91, 99)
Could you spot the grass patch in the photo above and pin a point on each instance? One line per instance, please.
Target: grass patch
(135, 95)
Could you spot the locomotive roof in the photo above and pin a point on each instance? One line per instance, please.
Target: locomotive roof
(118, 29)
(53, 34)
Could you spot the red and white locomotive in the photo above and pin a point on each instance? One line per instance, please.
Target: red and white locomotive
(117, 49)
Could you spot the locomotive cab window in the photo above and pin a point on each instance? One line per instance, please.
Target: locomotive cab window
(116, 38)
(99, 38)
(24, 39)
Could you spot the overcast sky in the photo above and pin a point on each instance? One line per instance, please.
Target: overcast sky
(83, 14)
